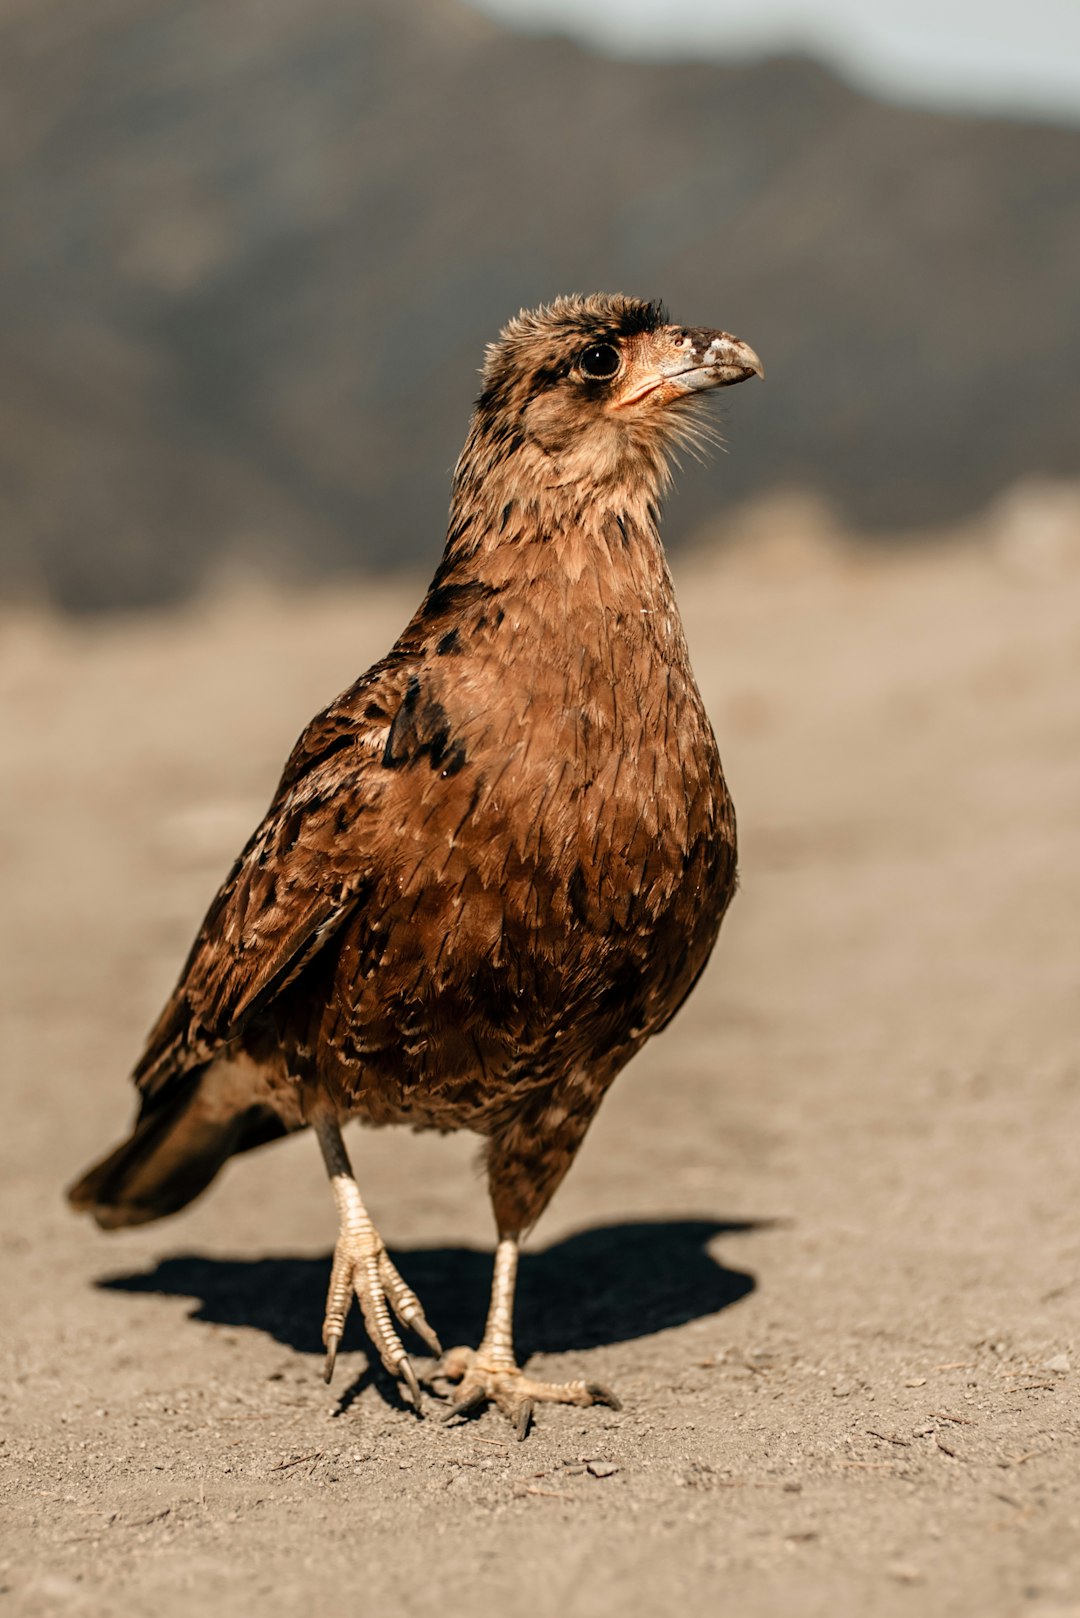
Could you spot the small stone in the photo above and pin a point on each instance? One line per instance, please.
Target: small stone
(903, 1572)
(1058, 1363)
(603, 1469)
(843, 1389)
(925, 1431)
(916, 1382)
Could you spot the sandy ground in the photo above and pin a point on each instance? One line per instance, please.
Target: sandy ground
(823, 1239)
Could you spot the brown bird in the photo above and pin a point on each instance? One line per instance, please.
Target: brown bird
(496, 864)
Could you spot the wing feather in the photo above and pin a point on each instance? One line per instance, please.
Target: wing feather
(299, 877)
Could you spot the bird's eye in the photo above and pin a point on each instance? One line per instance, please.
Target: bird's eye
(600, 362)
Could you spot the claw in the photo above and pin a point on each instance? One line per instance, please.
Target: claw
(406, 1305)
(603, 1396)
(522, 1419)
(425, 1334)
(408, 1376)
(465, 1407)
(481, 1378)
(362, 1268)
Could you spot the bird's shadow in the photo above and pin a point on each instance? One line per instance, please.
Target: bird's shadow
(604, 1285)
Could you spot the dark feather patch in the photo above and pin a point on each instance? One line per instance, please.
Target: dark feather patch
(421, 729)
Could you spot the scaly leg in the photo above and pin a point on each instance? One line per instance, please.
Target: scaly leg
(491, 1371)
(361, 1265)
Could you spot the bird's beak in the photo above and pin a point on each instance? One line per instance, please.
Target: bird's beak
(693, 360)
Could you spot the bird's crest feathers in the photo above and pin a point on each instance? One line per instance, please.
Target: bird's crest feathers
(570, 321)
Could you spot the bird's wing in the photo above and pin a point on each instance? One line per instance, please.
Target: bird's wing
(298, 878)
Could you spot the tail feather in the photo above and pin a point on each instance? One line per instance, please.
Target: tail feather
(180, 1141)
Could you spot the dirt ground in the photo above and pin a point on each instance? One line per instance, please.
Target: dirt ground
(824, 1238)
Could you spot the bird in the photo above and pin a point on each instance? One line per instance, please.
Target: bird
(495, 866)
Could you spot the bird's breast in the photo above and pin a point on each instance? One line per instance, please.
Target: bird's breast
(555, 853)
(550, 779)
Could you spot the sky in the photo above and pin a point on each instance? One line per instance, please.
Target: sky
(1008, 56)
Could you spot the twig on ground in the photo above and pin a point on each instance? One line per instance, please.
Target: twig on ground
(297, 1460)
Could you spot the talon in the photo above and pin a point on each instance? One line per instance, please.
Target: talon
(603, 1396)
(426, 1334)
(522, 1419)
(408, 1376)
(406, 1305)
(362, 1269)
(484, 1377)
(414, 1320)
(465, 1406)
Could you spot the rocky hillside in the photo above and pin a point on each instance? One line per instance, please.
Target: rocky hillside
(252, 250)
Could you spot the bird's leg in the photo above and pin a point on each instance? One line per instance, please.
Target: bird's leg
(526, 1161)
(491, 1371)
(361, 1265)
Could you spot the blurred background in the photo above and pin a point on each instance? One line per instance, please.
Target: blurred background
(250, 254)
(252, 250)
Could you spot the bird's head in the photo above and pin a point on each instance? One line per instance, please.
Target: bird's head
(590, 392)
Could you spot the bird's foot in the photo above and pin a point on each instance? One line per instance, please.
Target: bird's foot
(482, 1377)
(362, 1266)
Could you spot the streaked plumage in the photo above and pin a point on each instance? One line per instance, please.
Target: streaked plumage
(497, 863)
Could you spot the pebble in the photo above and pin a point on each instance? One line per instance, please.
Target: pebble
(1058, 1363)
(603, 1469)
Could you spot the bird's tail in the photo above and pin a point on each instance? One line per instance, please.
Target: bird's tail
(182, 1137)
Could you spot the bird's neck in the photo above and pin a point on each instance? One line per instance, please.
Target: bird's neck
(518, 520)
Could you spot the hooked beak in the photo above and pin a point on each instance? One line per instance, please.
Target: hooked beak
(696, 359)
